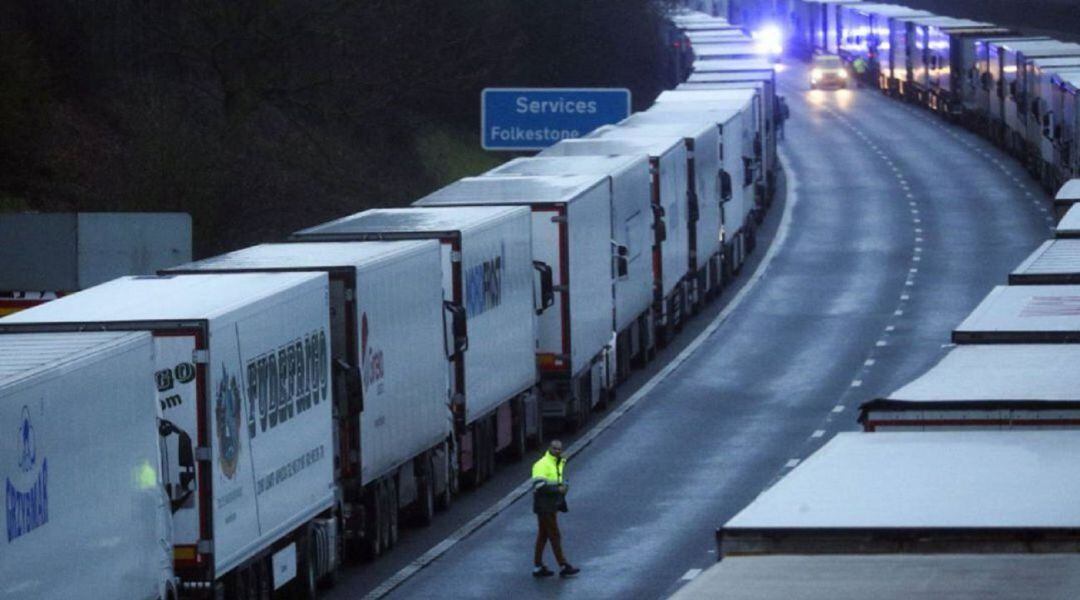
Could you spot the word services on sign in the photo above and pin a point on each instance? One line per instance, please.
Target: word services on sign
(535, 118)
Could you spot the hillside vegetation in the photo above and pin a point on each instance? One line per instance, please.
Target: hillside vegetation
(262, 116)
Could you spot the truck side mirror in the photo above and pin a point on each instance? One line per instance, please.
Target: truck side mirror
(354, 387)
(459, 336)
(547, 286)
(622, 262)
(725, 186)
(658, 223)
(185, 459)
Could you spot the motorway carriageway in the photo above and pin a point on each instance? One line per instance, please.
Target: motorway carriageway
(895, 225)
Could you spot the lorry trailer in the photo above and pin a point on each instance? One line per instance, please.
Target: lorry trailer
(488, 283)
(1026, 314)
(1055, 262)
(571, 230)
(389, 354)
(243, 369)
(86, 516)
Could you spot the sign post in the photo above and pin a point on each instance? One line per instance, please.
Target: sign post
(535, 118)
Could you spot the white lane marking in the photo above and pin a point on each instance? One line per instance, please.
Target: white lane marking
(690, 575)
(881, 343)
(869, 362)
(791, 464)
(818, 433)
(916, 258)
(856, 383)
(905, 297)
(782, 234)
(891, 328)
(898, 313)
(839, 408)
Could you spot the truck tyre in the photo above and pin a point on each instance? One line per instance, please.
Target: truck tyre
(371, 547)
(305, 585)
(446, 496)
(424, 512)
(392, 513)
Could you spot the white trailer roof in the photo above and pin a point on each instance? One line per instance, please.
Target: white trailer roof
(889, 577)
(729, 76)
(407, 220)
(631, 129)
(1055, 262)
(1070, 191)
(1024, 314)
(960, 481)
(513, 190)
(561, 165)
(891, 10)
(655, 147)
(323, 255)
(718, 116)
(1069, 225)
(733, 49)
(167, 298)
(949, 22)
(24, 355)
(705, 97)
(732, 64)
(995, 374)
(1024, 44)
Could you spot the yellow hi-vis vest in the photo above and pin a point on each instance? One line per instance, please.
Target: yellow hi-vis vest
(549, 468)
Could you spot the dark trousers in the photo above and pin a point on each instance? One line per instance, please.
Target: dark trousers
(548, 531)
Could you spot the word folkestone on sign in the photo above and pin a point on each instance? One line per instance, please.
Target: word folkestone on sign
(535, 118)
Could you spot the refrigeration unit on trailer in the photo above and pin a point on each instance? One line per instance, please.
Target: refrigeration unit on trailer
(243, 369)
(670, 218)
(571, 231)
(488, 282)
(908, 493)
(1054, 262)
(736, 187)
(86, 511)
(1066, 197)
(703, 167)
(891, 577)
(950, 62)
(388, 350)
(1026, 314)
(990, 387)
(632, 235)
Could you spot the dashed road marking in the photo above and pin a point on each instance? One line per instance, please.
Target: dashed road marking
(869, 362)
(791, 464)
(818, 433)
(856, 383)
(690, 575)
(839, 408)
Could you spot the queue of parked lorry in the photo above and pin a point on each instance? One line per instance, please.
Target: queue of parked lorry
(961, 483)
(241, 425)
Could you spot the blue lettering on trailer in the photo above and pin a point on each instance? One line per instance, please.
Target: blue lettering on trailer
(27, 510)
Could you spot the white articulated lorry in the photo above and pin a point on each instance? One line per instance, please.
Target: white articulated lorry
(487, 280)
(632, 234)
(389, 373)
(703, 150)
(243, 369)
(1024, 314)
(571, 231)
(671, 213)
(85, 510)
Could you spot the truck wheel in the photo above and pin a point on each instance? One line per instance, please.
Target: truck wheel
(373, 543)
(392, 513)
(305, 585)
(446, 496)
(425, 504)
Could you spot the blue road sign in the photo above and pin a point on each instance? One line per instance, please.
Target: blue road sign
(535, 118)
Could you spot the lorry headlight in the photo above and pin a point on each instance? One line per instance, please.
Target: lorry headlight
(815, 74)
(842, 73)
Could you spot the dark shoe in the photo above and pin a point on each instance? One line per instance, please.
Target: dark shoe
(542, 571)
(568, 569)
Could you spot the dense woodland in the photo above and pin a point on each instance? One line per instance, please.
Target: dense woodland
(262, 116)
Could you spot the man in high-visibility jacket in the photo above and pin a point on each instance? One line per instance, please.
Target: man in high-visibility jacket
(549, 498)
